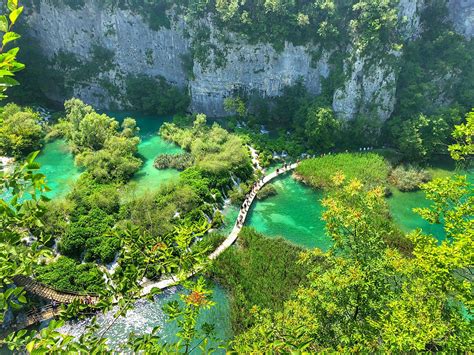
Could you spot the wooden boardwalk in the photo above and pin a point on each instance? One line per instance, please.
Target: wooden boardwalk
(36, 316)
(50, 293)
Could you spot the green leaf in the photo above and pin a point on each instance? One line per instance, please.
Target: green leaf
(7, 81)
(9, 36)
(15, 14)
(3, 23)
(12, 4)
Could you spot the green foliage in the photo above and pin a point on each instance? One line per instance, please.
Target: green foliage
(117, 160)
(107, 154)
(365, 296)
(408, 178)
(21, 131)
(236, 105)
(325, 22)
(463, 134)
(261, 272)
(67, 274)
(155, 95)
(421, 137)
(8, 64)
(23, 210)
(436, 67)
(321, 128)
(87, 231)
(214, 150)
(369, 168)
(266, 191)
(173, 161)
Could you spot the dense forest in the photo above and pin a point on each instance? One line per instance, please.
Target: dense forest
(148, 178)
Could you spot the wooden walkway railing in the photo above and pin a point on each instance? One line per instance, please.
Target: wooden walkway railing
(50, 293)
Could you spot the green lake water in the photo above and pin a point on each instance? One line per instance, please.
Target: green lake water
(402, 204)
(57, 163)
(294, 214)
(151, 145)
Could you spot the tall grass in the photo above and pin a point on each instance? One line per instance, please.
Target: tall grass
(370, 168)
(259, 271)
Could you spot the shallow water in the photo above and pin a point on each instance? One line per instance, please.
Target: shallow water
(294, 214)
(151, 145)
(57, 163)
(146, 315)
(402, 204)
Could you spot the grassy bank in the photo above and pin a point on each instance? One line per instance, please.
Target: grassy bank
(370, 168)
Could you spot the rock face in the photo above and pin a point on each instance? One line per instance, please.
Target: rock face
(370, 89)
(258, 68)
(461, 13)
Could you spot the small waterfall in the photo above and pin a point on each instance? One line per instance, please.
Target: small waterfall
(113, 265)
(235, 180)
(141, 320)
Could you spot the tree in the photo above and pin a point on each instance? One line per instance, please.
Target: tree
(106, 152)
(117, 160)
(21, 211)
(235, 105)
(419, 138)
(321, 127)
(20, 132)
(463, 134)
(365, 296)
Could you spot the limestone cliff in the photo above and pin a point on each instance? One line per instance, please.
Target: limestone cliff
(369, 85)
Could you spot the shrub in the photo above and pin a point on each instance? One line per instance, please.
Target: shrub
(215, 150)
(94, 224)
(20, 131)
(173, 161)
(106, 152)
(266, 191)
(102, 248)
(262, 272)
(408, 178)
(68, 275)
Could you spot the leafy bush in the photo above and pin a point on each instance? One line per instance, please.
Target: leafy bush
(115, 162)
(20, 131)
(66, 274)
(369, 168)
(92, 225)
(107, 153)
(408, 178)
(214, 149)
(173, 161)
(266, 191)
(102, 248)
(419, 138)
(88, 194)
